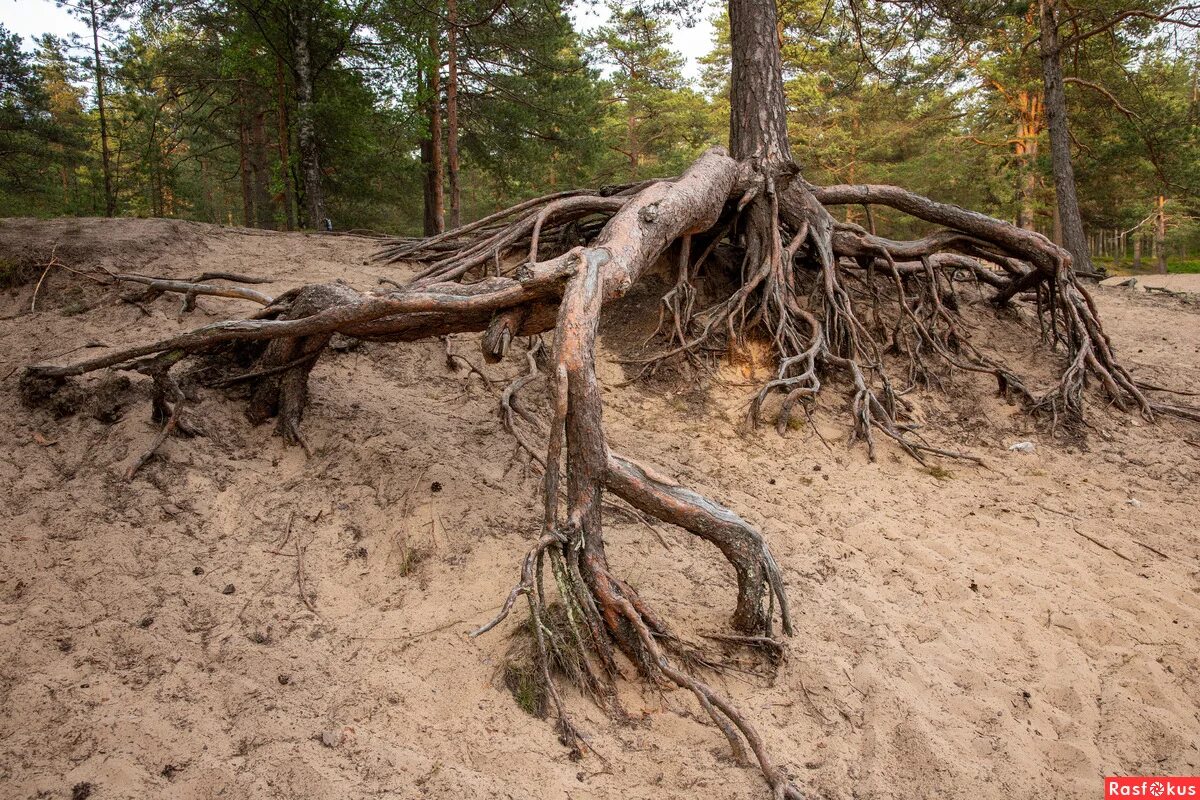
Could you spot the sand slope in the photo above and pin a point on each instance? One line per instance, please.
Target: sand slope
(1015, 631)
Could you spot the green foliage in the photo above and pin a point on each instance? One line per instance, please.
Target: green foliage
(1189, 266)
(529, 102)
(40, 139)
(654, 123)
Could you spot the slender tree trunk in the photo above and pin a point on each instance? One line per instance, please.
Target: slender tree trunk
(244, 158)
(452, 116)
(1027, 153)
(1137, 250)
(110, 197)
(852, 163)
(631, 145)
(1073, 238)
(1160, 236)
(432, 152)
(285, 158)
(425, 145)
(264, 214)
(206, 192)
(310, 163)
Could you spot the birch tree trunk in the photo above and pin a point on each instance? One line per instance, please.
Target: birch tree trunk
(310, 162)
(452, 115)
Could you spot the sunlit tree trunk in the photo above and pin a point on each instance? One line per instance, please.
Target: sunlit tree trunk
(1028, 129)
(757, 118)
(631, 145)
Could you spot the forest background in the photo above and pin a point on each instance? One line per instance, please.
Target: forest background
(412, 116)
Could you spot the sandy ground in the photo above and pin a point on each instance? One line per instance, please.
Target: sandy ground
(1015, 631)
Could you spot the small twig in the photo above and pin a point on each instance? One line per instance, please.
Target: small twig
(808, 699)
(411, 636)
(287, 536)
(850, 681)
(1154, 550)
(637, 516)
(300, 576)
(1102, 545)
(51, 264)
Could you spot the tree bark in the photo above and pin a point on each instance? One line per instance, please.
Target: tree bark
(1027, 151)
(758, 109)
(1160, 235)
(310, 162)
(244, 158)
(452, 115)
(435, 221)
(264, 214)
(1073, 238)
(110, 197)
(285, 158)
(631, 146)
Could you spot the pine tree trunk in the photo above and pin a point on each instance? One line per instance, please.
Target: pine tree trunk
(758, 110)
(1160, 236)
(452, 116)
(285, 158)
(1027, 151)
(110, 197)
(758, 125)
(244, 159)
(435, 221)
(264, 214)
(310, 163)
(1073, 238)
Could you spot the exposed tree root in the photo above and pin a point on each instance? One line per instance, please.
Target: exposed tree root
(832, 299)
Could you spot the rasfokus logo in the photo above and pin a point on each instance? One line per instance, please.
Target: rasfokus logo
(1165, 787)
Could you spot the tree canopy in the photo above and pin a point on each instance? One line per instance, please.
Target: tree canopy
(288, 113)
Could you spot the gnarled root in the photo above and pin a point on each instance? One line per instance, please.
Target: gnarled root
(605, 615)
(831, 299)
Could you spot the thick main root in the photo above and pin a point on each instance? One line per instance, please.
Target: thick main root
(831, 298)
